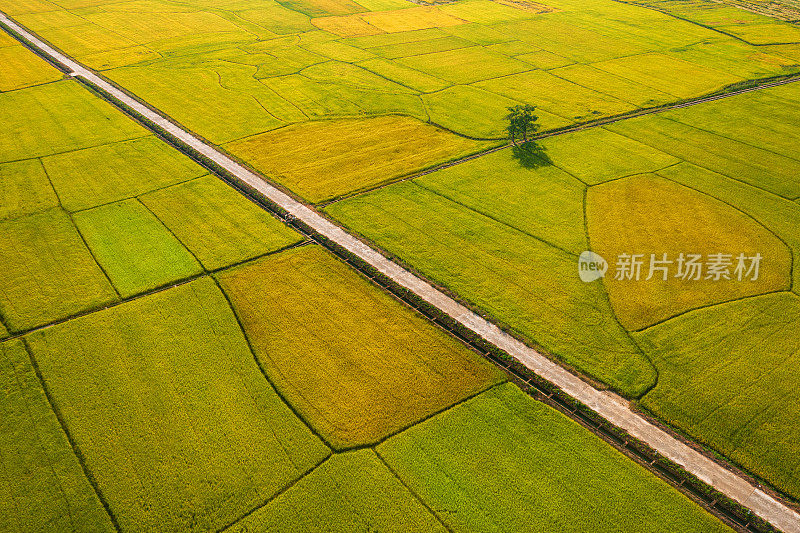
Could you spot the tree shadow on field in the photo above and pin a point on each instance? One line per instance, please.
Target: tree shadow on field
(531, 155)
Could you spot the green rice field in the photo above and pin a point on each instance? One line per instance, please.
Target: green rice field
(174, 358)
(538, 452)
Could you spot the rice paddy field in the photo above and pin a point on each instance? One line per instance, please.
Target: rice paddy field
(250, 75)
(175, 358)
(504, 232)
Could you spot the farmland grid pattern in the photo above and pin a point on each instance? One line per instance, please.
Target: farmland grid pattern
(760, 502)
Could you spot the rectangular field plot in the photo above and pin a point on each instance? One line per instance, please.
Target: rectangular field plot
(276, 18)
(19, 68)
(85, 39)
(326, 159)
(621, 88)
(369, 367)
(737, 58)
(761, 168)
(414, 18)
(175, 421)
(442, 44)
(134, 248)
(468, 110)
(679, 78)
(419, 81)
(509, 188)
(556, 95)
(486, 12)
(465, 65)
(42, 487)
(761, 34)
(48, 273)
(217, 224)
(24, 189)
(767, 119)
(111, 172)
(728, 377)
(780, 215)
(504, 462)
(566, 39)
(66, 117)
(219, 100)
(144, 27)
(596, 155)
(321, 8)
(526, 284)
(352, 491)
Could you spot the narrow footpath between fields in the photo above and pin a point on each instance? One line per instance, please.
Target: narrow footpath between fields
(612, 409)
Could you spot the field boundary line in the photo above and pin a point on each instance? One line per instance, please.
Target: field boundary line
(604, 121)
(88, 474)
(611, 409)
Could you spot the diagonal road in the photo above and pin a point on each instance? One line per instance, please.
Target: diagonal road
(613, 410)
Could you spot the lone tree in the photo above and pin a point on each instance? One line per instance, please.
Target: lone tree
(521, 122)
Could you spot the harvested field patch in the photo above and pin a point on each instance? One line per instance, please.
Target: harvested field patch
(352, 491)
(323, 160)
(43, 485)
(728, 377)
(649, 215)
(217, 224)
(136, 251)
(24, 189)
(467, 459)
(530, 286)
(370, 367)
(48, 273)
(193, 436)
(103, 174)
